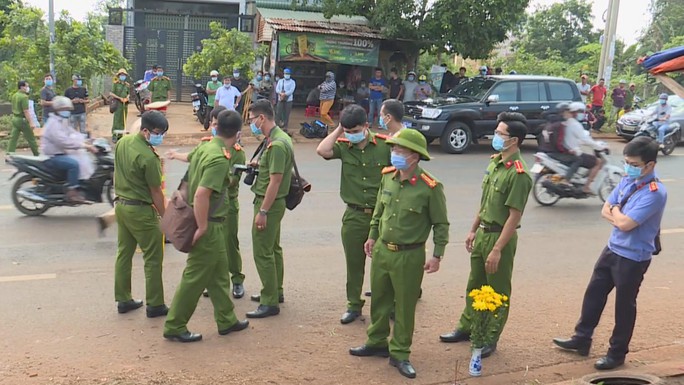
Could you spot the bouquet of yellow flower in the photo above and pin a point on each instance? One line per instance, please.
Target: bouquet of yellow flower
(488, 306)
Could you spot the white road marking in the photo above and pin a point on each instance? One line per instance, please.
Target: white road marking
(22, 278)
(672, 231)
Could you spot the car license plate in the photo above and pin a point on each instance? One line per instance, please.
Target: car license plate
(195, 103)
(537, 168)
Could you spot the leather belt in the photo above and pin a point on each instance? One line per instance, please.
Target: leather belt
(493, 228)
(216, 220)
(131, 202)
(394, 247)
(365, 210)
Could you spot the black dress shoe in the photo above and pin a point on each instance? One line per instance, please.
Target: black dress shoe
(257, 298)
(157, 311)
(488, 350)
(455, 336)
(404, 367)
(367, 294)
(205, 293)
(125, 307)
(349, 316)
(238, 290)
(580, 346)
(184, 337)
(608, 363)
(240, 325)
(264, 311)
(370, 351)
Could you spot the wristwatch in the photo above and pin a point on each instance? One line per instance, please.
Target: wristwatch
(263, 212)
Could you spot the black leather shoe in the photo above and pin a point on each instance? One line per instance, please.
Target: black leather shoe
(238, 290)
(574, 344)
(205, 293)
(264, 311)
(184, 337)
(367, 294)
(370, 351)
(257, 298)
(240, 325)
(125, 307)
(404, 367)
(157, 311)
(349, 316)
(488, 350)
(608, 363)
(455, 336)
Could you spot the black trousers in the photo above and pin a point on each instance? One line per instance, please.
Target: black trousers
(625, 275)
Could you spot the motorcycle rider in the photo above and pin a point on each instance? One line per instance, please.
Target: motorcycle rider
(59, 139)
(574, 136)
(662, 114)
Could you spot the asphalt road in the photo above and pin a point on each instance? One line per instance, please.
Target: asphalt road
(60, 326)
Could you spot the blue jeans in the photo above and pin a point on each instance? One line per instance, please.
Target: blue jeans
(374, 107)
(663, 129)
(78, 122)
(67, 164)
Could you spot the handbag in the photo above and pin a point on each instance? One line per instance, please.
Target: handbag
(298, 185)
(114, 105)
(179, 223)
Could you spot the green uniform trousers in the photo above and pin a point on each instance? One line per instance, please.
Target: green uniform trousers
(139, 225)
(499, 281)
(232, 242)
(207, 267)
(396, 278)
(21, 126)
(355, 229)
(119, 121)
(268, 255)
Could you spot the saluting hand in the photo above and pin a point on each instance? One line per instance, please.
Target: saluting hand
(368, 247)
(470, 241)
(492, 263)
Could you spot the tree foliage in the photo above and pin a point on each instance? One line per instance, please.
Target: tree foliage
(667, 18)
(223, 51)
(562, 28)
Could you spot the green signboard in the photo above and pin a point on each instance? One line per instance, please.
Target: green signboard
(328, 48)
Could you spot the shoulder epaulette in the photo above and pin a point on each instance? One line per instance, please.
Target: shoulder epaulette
(428, 180)
(237, 147)
(389, 169)
(519, 168)
(382, 136)
(653, 186)
(206, 139)
(226, 153)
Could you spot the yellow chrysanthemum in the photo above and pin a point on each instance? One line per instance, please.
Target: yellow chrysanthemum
(479, 306)
(487, 289)
(505, 298)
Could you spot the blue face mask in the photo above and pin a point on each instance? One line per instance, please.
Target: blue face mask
(156, 139)
(255, 130)
(160, 73)
(382, 123)
(399, 161)
(498, 143)
(259, 78)
(122, 78)
(632, 171)
(287, 77)
(580, 116)
(79, 83)
(49, 83)
(356, 138)
(663, 102)
(267, 78)
(64, 114)
(213, 131)
(411, 78)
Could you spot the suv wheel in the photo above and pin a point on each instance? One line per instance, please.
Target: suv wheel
(456, 138)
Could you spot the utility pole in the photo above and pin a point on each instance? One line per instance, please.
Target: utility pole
(608, 47)
(51, 21)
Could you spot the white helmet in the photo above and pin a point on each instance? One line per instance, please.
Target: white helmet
(577, 107)
(214, 73)
(62, 103)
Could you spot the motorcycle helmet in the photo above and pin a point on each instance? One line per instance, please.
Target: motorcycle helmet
(663, 96)
(576, 107)
(62, 103)
(422, 78)
(214, 73)
(513, 73)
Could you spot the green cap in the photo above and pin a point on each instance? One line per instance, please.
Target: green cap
(411, 139)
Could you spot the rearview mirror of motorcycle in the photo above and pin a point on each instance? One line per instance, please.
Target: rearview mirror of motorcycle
(493, 99)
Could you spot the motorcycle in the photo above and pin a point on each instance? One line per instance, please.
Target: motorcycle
(141, 95)
(200, 105)
(39, 187)
(671, 140)
(548, 172)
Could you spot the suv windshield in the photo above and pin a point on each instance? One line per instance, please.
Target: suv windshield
(475, 88)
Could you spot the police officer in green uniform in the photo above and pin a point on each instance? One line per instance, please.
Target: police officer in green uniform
(140, 202)
(22, 122)
(493, 236)
(410, 203)
(160, 87)
(121, 89)
(270, 189)
(209, 175)
(237, 156)
(363, 155)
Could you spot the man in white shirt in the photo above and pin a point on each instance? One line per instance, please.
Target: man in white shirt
(574, 137)
(227, 96)
(584, 88)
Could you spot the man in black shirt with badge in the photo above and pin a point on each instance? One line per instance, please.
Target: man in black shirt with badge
(396, 86)
(79, 97)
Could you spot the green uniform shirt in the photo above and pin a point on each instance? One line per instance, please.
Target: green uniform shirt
(137, 168)
(362, 169)
(629, 98)
(213, 86)
(406, 211)
(120, 89)
(210, 168)
(505, 185)
(160, 87)
(276, 159)
(20, 103)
